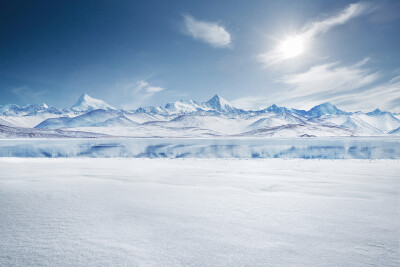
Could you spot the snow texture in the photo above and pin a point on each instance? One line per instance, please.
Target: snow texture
(133, 212)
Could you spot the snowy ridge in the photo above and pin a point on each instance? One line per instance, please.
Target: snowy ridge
(18, 132)
(189, 118)
(15, 110)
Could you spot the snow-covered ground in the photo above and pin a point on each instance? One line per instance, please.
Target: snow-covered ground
(199, 212)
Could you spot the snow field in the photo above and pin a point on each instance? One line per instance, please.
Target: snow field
(199, 212)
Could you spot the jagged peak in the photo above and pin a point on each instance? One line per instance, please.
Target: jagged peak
(216, 97)
(218, 102)
(274, 108)
(43, 105)
(88, 103)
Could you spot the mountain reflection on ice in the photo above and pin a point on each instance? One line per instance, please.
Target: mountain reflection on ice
(322, 148)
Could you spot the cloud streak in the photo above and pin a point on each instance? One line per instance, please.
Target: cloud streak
(350, 12)
(311, 31)
(144, 88)
(208, 32)
(330, 78)
(386, 96)
(327, 83)
(352, 87)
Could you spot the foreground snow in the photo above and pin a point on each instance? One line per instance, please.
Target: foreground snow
(199, 212)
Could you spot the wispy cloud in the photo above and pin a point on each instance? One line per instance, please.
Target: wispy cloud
(324, 83)
(154, 89)
(331, 78)
(209, 32)
(137, 93)
(351, 11)
(292, 46)
(385, 96)
(144, 88)
(351, 87)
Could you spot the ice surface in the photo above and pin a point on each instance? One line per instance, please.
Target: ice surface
(325, 148)
(193, 212)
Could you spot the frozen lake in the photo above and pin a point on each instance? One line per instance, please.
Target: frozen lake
(199, 212)
(324, 148)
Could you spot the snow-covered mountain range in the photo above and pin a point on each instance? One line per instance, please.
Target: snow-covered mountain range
(189, 118)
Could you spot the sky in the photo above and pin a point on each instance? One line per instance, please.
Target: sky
(253, 53)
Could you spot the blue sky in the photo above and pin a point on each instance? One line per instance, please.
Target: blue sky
(253, 53)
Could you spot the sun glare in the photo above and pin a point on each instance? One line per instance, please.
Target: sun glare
(292, 47)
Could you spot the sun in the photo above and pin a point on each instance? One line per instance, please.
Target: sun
(292, 47)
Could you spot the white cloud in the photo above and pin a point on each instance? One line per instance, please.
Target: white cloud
(211, 33)
(330, 78)
(154, 89)
(140, 85)
(324, 83)
(292, 46)
(350, 87)
(385, 96)
(145, 89)
(320, 27)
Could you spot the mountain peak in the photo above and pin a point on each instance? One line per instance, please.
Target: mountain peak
(87, 103)
(182, 106)
(219, 104)
(84, 97)
(38, 106)
(326, 104)
(217, 98)
(275, 109)
(324, 108)
(376, 112)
